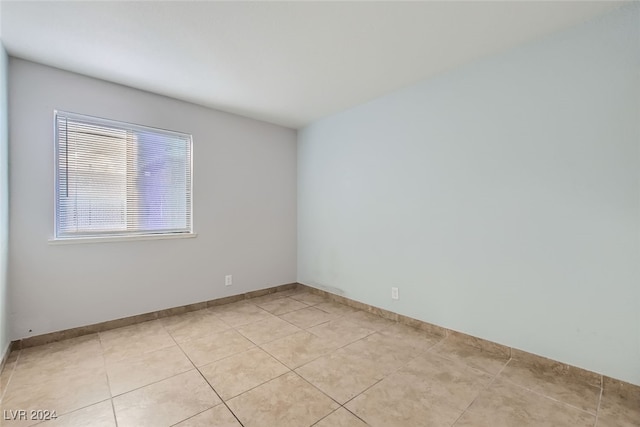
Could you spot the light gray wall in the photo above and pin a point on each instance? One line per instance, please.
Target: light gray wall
(4, 204)
(244, 209)
(503, 199)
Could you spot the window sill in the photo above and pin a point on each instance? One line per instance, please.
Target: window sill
(109, 239)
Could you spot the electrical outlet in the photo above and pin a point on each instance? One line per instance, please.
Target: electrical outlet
(228, 280)
(394, 293)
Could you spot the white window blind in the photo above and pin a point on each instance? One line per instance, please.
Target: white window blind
(120, 179)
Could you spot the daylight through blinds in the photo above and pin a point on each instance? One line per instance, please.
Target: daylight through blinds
(116, 178)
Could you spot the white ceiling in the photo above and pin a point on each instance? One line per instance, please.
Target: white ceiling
(288, 63)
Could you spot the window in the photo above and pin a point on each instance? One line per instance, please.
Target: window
(119, 179)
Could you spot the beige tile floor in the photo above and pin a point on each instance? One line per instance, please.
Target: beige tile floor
(293, 359)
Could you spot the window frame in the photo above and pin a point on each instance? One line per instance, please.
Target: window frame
(115, 236)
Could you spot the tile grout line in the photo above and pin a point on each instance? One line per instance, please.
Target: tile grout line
(256, 386)
(13, 370)
(537, 393)
(332, 412)
(315, 387)
(349, 343)
(267, 342)
(418, 354)
(41, 422)
(283, 313)
(599, 403)
(289, 367)
(312, 326)
(205, 379)
(355, 415)
(227, 357)
(219, 397)
(259, 346)
(309, 327)
(113, 408)
(256, 345)
(362, 392)
(275, 358)
(76, 409)
(86, 406)
(106, 373)
(153, 382)
(162, 379)
(493, 379)
(336, 410)
(193, 416)
(305, 330)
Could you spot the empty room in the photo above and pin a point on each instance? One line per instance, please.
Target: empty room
(320, 213)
